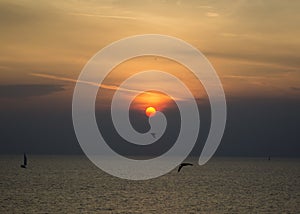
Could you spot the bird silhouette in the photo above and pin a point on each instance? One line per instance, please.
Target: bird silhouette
(182, 165)
(24, 162)
(153, 135)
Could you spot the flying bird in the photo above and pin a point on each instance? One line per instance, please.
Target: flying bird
(182, 165)
(153, 135)
(24, 162)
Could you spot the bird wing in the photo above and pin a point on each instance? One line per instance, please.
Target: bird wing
(153, 135)
(179, 168)
(187, 164)
(25, 160)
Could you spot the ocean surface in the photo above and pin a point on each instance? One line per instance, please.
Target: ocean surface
(72, 184)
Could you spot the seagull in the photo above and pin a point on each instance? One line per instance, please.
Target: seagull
(182, 165)
(153, 135)
(25, 162)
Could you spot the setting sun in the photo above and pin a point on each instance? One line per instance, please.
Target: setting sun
(150, 111)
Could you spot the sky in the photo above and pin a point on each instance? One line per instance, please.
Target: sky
(254, 47)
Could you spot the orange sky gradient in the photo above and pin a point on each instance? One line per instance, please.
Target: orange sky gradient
(253, 45)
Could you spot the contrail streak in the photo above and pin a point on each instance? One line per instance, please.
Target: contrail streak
(109, 87)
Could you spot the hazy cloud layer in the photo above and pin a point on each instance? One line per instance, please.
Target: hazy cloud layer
(295, 88)
(255, 127)
(23, 91)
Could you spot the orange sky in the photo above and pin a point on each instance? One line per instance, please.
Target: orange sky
(253, 45)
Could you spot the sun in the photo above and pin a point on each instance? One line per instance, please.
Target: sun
(150, 111)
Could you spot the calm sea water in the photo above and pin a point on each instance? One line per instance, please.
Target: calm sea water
(72, 184)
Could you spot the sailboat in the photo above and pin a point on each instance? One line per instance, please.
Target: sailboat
(24, 162)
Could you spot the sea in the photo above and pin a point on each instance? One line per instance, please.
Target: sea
(72, 184)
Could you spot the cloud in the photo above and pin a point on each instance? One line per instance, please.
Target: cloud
(286, 62)
(204, 7)
(295, 88)
(211, 14)
(104, 16)
(235, 35)
(103, 86)
(30, 90)
(242, 77)
(109, 87)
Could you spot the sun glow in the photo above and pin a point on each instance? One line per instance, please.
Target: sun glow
(150, 111)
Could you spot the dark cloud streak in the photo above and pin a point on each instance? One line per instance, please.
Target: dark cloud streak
(23, 91)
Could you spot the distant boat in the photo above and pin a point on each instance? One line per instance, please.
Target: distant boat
(182, 165)
(24, 162)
